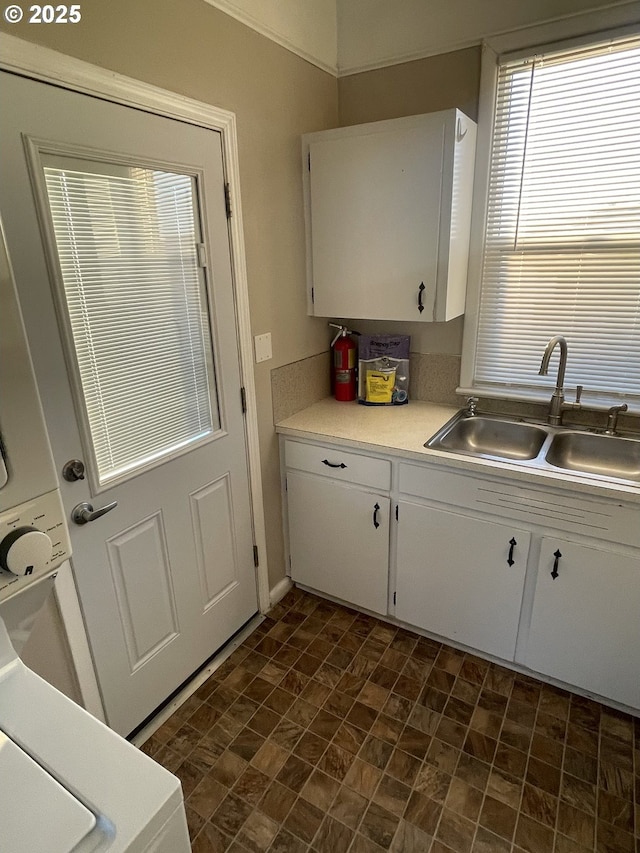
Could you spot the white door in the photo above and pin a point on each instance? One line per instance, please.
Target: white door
(117, 230)
(584, 625)
(375, 221)
(339, 539)
(461, 577)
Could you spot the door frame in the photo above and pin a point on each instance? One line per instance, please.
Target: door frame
(49, 66)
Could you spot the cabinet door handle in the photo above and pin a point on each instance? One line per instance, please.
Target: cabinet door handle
(512, 545)
(554, 571)
(421, 290)
(333, 464)
(376, 523)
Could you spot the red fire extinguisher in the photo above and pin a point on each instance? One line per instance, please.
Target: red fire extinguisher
(344, 365)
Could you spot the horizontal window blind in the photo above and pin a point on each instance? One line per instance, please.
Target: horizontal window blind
(127, 246)
(562, 243)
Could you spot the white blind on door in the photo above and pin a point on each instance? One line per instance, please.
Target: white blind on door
(562, 245)
(127, 246)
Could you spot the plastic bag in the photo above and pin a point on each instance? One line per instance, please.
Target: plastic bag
(383, 370)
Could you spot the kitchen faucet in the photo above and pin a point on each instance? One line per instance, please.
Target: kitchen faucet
(557, 403)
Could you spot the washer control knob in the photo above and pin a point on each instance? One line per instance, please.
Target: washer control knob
(25, 551)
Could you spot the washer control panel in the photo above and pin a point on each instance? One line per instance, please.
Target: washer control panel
(34, 541)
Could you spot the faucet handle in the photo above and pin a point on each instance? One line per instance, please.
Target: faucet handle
(612, 418)
(472, 405)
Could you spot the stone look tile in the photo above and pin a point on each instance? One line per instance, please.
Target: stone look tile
(392, 795)
(455, 831)
(329, 731)
(333, 836)
(464, 799)
(348, 807)
(258, 832)
(304, 820)
(207, 796)
(539, 805)
(423, 812)
(498, 818)
(320, 789)
(379, 825)
(363, 778)
(533, 836)
(277, 801)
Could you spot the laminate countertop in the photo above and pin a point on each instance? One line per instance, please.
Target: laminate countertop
(402, 431)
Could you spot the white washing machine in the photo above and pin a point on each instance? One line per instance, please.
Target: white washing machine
(68, 783)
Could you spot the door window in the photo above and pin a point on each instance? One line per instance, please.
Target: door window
(128, 243)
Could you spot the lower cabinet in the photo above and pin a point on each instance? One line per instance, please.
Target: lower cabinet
(339, 540)
(461, 577)
(585, 623)
(460, 550)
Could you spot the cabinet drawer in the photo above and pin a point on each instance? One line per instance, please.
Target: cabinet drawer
(338, 464)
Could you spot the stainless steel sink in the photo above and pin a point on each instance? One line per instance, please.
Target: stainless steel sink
(541, 446)
(490, 436)
(604, 455)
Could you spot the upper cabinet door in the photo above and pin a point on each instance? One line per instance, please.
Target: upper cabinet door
(388, 208)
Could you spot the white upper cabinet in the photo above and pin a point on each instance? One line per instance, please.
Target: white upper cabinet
(387, 212)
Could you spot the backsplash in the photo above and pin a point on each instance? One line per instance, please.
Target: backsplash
(434, 378)
(299, 384)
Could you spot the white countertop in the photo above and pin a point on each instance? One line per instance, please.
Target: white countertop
(403, 430)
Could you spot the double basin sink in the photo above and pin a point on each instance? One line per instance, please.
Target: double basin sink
(541, 446)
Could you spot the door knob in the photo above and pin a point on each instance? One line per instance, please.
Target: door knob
(84, 512)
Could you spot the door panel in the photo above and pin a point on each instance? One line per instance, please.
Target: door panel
(212, 515)
(168, 576)
(144, 591)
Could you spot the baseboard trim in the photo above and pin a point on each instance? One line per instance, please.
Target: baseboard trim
(280, 590)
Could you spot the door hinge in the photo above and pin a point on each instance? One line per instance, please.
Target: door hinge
(243, 400)
(313, 295)
(309, 161)
(394, 598)
(256, 561)
(397, 513)
(201, 251)
(227, 200)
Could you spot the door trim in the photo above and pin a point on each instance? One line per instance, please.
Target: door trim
(49, 66)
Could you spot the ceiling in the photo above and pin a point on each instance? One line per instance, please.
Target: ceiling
(348, 36)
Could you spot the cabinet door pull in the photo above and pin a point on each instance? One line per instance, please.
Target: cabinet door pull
(376, 523)
(421, 290)
(554, 571)
(512, 545)
(333, 464)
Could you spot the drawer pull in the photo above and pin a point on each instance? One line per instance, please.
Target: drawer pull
(376, 523)
(333, 464)
(554, 571)
(512, 545)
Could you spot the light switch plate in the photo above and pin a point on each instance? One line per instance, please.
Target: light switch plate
(262, 345)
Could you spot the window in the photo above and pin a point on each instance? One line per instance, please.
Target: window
(561, 250)
(127, 241)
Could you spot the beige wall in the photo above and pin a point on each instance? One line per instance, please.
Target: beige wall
(411, 88)
(194, 49)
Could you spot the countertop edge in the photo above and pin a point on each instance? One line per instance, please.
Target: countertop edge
(368, 429)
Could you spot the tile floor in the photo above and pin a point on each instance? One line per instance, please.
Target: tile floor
(331, 731)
